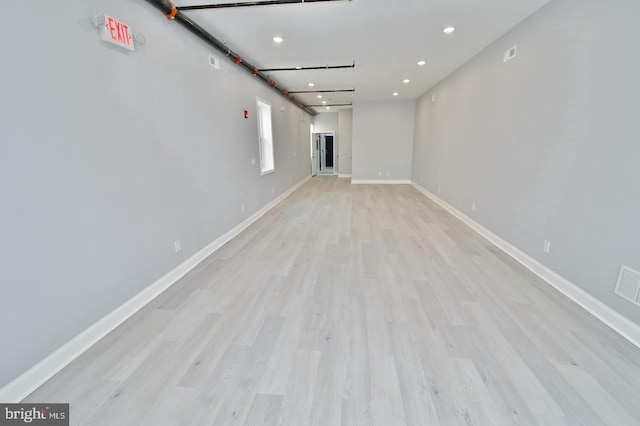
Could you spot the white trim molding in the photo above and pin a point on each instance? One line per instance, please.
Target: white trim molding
(29, 381)
(380, 182)
(344, 175)
(620, 324)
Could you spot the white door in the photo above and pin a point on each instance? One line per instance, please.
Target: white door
(315, 153)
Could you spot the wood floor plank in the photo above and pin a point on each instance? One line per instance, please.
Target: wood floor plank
(418, 406)
(232, 407)
(507, 375)
(330, 387)
(298, 398)
(264, 410)
(355, 305)
(574, 407)
(386, 402)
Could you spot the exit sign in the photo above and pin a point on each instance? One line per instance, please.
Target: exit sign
(117, 32)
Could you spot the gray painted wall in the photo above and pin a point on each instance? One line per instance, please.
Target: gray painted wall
(107, 157)
(383, 140)
(345, 128)
(326, 122)
(547, 144)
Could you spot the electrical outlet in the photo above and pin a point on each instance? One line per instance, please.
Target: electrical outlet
(176, 246)
(473, 207)
(253, 161)
(273, 190)
(242, 208)
(439, 188)
(547, 246)
(379, 173)
(388, 174)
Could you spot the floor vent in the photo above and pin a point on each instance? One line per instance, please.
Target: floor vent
(628, 285)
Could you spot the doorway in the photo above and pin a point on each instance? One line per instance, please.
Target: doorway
(328, 161)
(315, 153)
(324, 153)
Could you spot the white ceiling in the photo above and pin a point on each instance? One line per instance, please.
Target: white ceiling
(386, 38)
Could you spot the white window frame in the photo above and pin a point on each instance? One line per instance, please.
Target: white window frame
(265, 137)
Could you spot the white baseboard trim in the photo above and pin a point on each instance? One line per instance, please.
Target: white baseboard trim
(344, 175)
(29, 381)
(380, 182)
(620, 324)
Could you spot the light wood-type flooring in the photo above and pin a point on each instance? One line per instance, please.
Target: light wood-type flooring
(356, 305)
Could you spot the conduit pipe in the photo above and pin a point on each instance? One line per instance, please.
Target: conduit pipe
(323, 91)
(331, 105)
(172, 13)
(325, 67)
(251, 4)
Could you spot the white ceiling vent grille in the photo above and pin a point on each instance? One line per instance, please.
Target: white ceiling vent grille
(214, 62)
(628, 285)
(510, 53)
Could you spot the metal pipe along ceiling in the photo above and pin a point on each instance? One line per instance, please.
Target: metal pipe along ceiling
(324, 67)
(171, 12)
(323, 91)
(252, 4)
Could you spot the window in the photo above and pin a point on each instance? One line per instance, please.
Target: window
(266, 137)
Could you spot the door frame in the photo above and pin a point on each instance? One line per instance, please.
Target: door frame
(314, 141)
(316, 134)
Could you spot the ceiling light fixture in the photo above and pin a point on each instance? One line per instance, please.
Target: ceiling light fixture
(449, 30)
(311, 84)
(319, 96)
(395, 93)
(298, 68)
(328, 107)
(278, 39)
(421, 63)
(324, 102)
(406, 81)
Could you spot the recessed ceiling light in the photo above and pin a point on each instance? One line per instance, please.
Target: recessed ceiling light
(298, 68)
(406, 81)
(328, 107)
(395, 93)
(421, 63)
(278, 39)
(449, 30)
(311, 84)
(324, 102)
(319, 96)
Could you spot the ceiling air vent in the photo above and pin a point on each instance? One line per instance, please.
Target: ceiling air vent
(510, 53)
(628, 285)
(214, 62)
